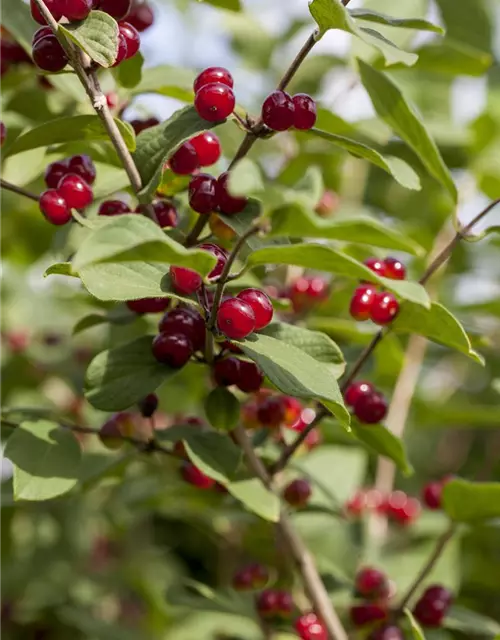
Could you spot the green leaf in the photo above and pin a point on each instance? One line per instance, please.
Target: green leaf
(405, 23)
(323, 258)
(60, 269)
(222, 409)
(69, 129)
(118, 378)
(470, 622)
(256, 498)
(466, 501)
(453, 58)
(126, 280)
(230, 5)
(296, 221)
(392, 107)
(87, 322)
(16, 18)
(128, 73)
(417, 632)
(97, 35)
(167, 81)
(296, 373)
(397, 168)
(215, 454)
(468, 21)
(382, 441)
(157, 144)
(46, 460)
(245, 179)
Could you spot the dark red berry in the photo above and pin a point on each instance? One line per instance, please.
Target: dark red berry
(148, 405)
(430, 612)
(194, 476)
(278, 111)
(384, 308)
(203, 193)
(166, 214)
(261, 305)
(54, 6)
(370, 408)
(310, 627)
(394, 269)
(49, 55)
(83, 166)
(252, 576)
(227, 371)
(298, 492)
(228, 203)
(118, 9)
(54, 207)
(121, 51)
(362, 301)
(75, 9)
(390, 632)
(207, 147)
(251, 377)
(377, 266)
(304, 111)
(431, 495)
(55, 171)
(113, 208)
(438, 592)
(185, 321)
(356, 390)
(75, 191)
(214, 102)
(148, 305)
(141, 16)
(366, 613)
(235, 319)
(371, 584)
(39, 34)
(141, 125)
(3, 133)
(185, 160)
(284, 604)
(185, 281)
(219, 253)
(271, 412)
(132, 38)
(174, 349)
(266, 603)
(13, 52)
(213, 75)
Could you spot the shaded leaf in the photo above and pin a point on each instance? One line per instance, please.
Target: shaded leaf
(214, 453)
(405, 23)
(222, 409)
(416, 629)
(172, 82)
(129, 72)
(256, 498)
(60, 269)
(16, 18)
(470, 622)
(383, 442)
(466, 501)
(97, 35)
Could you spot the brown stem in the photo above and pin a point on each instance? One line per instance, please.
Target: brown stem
(198, 227)
(298, 60)
(19, 190)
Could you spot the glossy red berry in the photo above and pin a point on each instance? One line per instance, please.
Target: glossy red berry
(250, 378)
(228, 203)
(278, 111)
(54, 172)
(203, 193)
(384, 308)
(214, 102)
(166, 214)
(390, 632)
(362, 301)
(75, 191)
(227, 371)
(430, 612)
(371, 583)
(438, 592)
(235, 319)
(261, 305)
(366, 613)
(174, 349)
(132, 38)
(194, 476)
(3, 133)
(356, 390)
(75, 9)
(148, 305)
(394, 269)
(298, 492)
(208, 148)
(113, 208)
(252, 576)
(219, 253)
(185, 281)
(266, 603)
(185, 321)
(271, 412)
(370, 408)
(54, 207)
(148, 405)
(39, 34)
(141, 16)
(54, 6)
(304, 111)
(49, 55)
(213, 75)
(185, 160)
(377, 266)
(83, 166)
(431, 495)
(305, 292)
(118, 9)
(310, 627)
(401, 508)
(121, 51)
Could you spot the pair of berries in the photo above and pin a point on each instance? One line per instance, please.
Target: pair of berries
(374, 587)
(148, 305)
(69, 183)
(181, 333)
(397, 506)
(165, 212)
(432, 606)
(432, 493)
(367, 303)
(208, 194)
(251, 577)
(138, 14)
(251, 310)
(274, 603)
(281, 112)
(202, 150)
(71, 9)
(369, 406)
(233, 371)
(186, 281)
(306, 292)
(310, 627)
(298, 492)
(214, 98)
(129, 42)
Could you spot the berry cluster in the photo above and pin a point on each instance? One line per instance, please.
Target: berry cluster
(181, 333)
(203, 150)
(368, 404)
(281, 112)
(165, 212)
(432, 493)
(214, 98)
(11, 53)
(186, 281)
(69, 183)
(141, 15)
(373, 589)
(397, 506)
(233, 371)
(306, 292)
(274, 604)
(251, 310)
(251, 577)
(208, 194)
(367, 303)
(310, 627)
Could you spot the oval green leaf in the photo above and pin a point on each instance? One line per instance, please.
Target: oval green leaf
(97, 35)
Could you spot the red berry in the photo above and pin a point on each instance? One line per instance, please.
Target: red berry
(430, 612)
(83, 166)
(243, 580)
(213, 75)
(235, 319)
(370, 408)
(271, 412)
(208, 148)
(438, 592)
(49, 55)
(54, 207)
(75, 191)
(227, 371)
(173, 349)
(54, 172)
(293, 410)
(328, 203)
(284, 604)
(113, 208)
(371, 583)
(362, 302)
(75, 9)
(356, 505)
(148, 405)
(394, 269)
(305, 292)
(267, 602)
(132, 38)
(141, 125)
(401, 508)
(278, 111)
(310, 627)
(250, 378)
(356, 390)
(148, 305)
(185, 321)
(185, 160)
(214, 102)
(228, 203)
(431, 495)
(54, 6)
(118, 9)
(384, 308)
(141, 16)
(298, 492)
(219, 253)
(252, 576)
(185, 281)
(261, 305)
(377, 266)
(304, 111)
(166, 214)
(38, 35)
(362, 614)
(112, 99)
(202, 193)
(121, 51)
(3, 133)
(390, 632)
(194, 476)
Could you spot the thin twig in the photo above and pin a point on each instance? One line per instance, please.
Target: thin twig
(297, 61)
(19, 190)
(198, 227)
